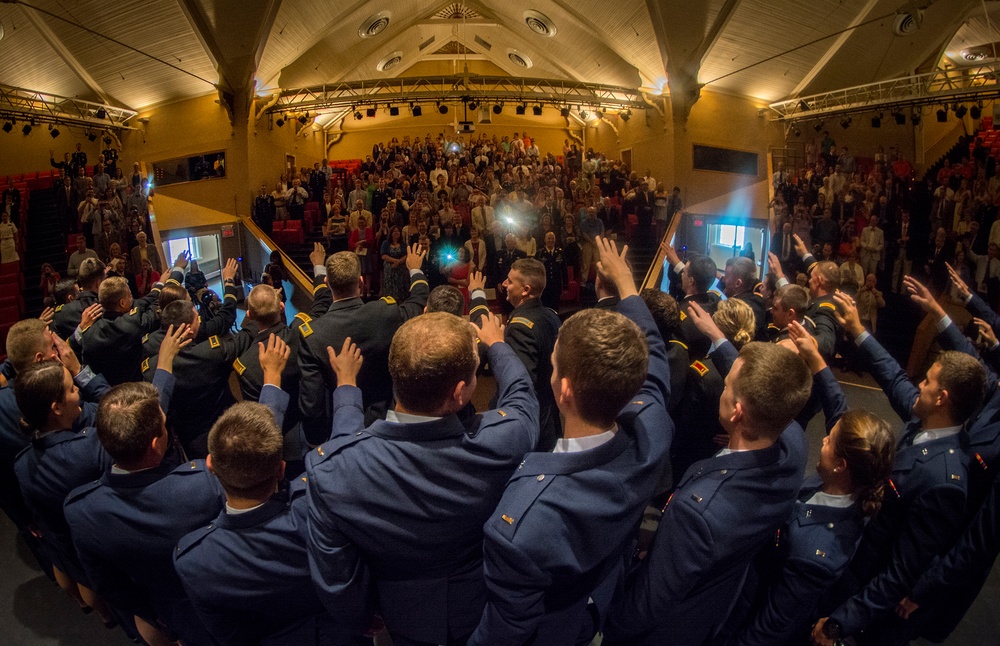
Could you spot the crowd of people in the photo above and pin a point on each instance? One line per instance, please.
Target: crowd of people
(640, 471)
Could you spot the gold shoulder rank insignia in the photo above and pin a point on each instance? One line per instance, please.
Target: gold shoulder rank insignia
(305, 329)
(145, 365)
(59, 308)
(239, 367)
(305, 318)
(523, 321)
(145, 337)
(501, 413)
(304, 479)
(830, 305)
(507, 519)
(388, 299)
(680, 343)
(700, 367)
(133, 311)
(318, 288)
(214, 342)
(683, 315)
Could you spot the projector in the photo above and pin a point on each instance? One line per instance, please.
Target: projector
(466, 127)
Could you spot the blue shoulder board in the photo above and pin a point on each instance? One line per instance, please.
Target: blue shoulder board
(521, 493)
(193, 538)
(334, 446)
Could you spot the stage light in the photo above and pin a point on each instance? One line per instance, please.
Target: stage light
(7, 127)
(497, 108)
(877, 120)
(473, 105)
(584, 114)
(796, 131)
(304, 119)
(900, 118)
(537, 110)
(915, 118)
(26, 129)
(960, 110)
(416, 110)
(442, 108)
(942, 115)
(107, 141)
(846, 122)
(519, 110)
(625, 116)
(600, 114)
(370, 112)
(280, 121)
(818, 126)
(54, 132)
(976, 111)
(564, 112)
(91, 137)
(101, 113)
(394, 111)
(358, 115)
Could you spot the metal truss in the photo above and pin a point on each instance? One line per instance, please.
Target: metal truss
(19, 103)
(426, 89)
(942, 86)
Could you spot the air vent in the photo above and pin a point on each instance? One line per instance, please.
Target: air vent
(457, 11)
(974, 55)
(519, 59)
(487, 46)
(389, 62)
(427, 43)
(539, 23)
(907, 23)
(375, 24)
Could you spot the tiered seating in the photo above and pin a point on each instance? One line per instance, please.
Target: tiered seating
(288, 232)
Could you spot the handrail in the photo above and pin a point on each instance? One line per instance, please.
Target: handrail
(295, 274)
(658, 257)
(154, 227)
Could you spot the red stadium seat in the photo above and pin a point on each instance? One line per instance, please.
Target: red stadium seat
(571, 294)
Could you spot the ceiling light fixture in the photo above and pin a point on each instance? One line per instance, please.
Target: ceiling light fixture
(537, 110)
(625, 115)
(521, 109)
(899, 117)
(846, 122)
(960, 110)
(442, 108)
(101, 113)
(54, 132)
(393, 110)
(7, 127)
(26, 129)
(416, 110)
(818, 126)
(976, 111)
(371, 112)
(91, 137)
(280, 121)
(358, 115)
(497, 108)
(942, 115)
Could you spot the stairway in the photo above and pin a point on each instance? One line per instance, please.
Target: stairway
(45, 243)
(954, 156)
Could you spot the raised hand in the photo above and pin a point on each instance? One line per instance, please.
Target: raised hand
(986, 332)
(47, 315)
(229, 271)
(273, 359)
(775, 265)
(800, 247)
(182, 260)
(906, 607)
(669, 253)
(920, 295)
(957, 282)
(489, 330)
(90, 315)
(807, 346)
(415, 257)
(613, 265)
(818, 638)
(318, 255)
(66, 355)
(346, 364)
(847, 314)
(703, 321)
(477, 280)
(173, 341)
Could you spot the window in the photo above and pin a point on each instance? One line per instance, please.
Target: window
(729, 235)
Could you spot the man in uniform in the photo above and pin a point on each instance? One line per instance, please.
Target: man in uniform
(740, 280)
(724, 508)
(531, 332)
(696, 277)
(422, 472)
(371, 325)
(112, 346)
(824, 281)
(247, 573)
(789, 304)
(67, 317)
(505, 259)
(611, 377)
(202, 371)
(923, 514)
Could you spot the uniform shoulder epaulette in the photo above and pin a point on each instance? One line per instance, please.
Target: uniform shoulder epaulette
(523, 321)
(59, 307)
(388, 299)
(484, 308)
(239, 367)
(513, 508)
(772, 326)
(683, 315)
(305, 318)
(758, 289)
(680, 343)
(808, 319)
(699, 493)
(83, 490)
(305, 330)
(145, 337)
(191, 466)
(145, 365)
(335, 445)
(133, 311)
(213, 341)
(192, 539)
(828, 305)
(318, 288)
(700, 367)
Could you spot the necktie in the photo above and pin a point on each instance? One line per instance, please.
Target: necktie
(784, 249)
(475, 255)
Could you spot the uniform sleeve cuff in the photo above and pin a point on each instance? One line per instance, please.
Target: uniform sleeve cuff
(478, 293)
(943, 323)
(84, 377)
(678, 268)
(781, 282)
(415, 272)
(861, 338)
(968, 298)
(319, 270)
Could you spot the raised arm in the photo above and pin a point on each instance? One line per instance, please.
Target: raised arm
(825, 387)
(322, 296)
(973, 302)
(348, 407)
(273, 358)
(514, 388)
(226, 316)
(723, 353)
(419, 289)
(163, 378)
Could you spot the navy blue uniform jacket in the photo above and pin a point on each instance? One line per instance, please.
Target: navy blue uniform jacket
(403, 505)
(563, 531)
(722, 512)
(922, 512)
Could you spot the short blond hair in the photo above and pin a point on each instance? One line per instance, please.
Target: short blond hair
(428, 357)
(773, 385)
(246, 448)
(112, 291)
(343, 269)
(264, 305)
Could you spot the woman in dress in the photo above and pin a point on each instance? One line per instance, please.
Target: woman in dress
(394, 274)
(195, 279)
(146, 278)
(457, 273)
(8, 240)
(567, 237)
(362, 243)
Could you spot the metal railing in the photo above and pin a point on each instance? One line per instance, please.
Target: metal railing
(43, 107)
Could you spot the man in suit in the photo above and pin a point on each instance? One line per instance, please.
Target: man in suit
(78, 161)
(247, 573)
(739, 283)
(724, 508)
(902, 250)
(613, 393)
(531, 332)
(109, 236)
(695, 278)
(144, 251)
(423, 471)
(371, 325)
(65, 206)
(923, 515)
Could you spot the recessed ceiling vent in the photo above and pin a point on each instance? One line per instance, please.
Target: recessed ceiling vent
(907, 22)
(539, 23)
(374, 24)
(980, 52)
(519, 59)
(389, 62)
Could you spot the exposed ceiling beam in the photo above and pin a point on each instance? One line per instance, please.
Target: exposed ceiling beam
(203, 31)
(834, 48)
(715, 31)
(67, 56)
